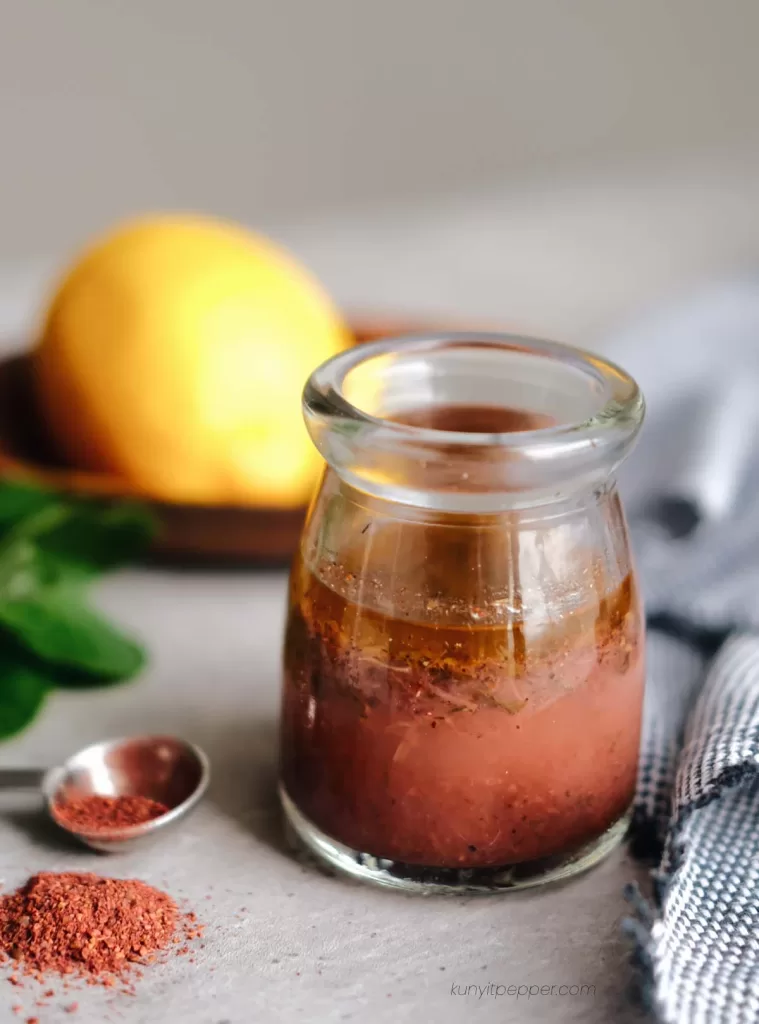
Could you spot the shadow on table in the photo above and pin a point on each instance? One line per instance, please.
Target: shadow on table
(32, 819)
(244, 768)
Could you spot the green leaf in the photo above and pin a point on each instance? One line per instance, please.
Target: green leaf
(22, 571)
(57, 627)
(50, 547)
(23, 688)
(19, 500)
(95, 539)
(86, 537)
(91, 536)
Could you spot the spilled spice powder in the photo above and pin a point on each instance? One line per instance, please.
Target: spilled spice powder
(100, 929)
(96, 813)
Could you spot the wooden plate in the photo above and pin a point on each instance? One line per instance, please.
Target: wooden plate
(188, 533)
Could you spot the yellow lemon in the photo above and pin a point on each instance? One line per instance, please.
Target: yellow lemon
(174, 353)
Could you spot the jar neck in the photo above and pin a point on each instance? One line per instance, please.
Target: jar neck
(380, 416)
(556, 508)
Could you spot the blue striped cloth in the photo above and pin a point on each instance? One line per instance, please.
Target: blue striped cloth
(693, 500)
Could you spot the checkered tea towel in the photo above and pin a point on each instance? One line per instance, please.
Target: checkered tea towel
(693, 503)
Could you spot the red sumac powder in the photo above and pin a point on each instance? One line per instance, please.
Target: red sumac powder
(96, 813)
(98, 928)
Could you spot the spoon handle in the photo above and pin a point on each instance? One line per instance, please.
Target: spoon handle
(21, 778)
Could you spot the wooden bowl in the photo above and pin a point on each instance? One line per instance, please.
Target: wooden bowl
(210, 534)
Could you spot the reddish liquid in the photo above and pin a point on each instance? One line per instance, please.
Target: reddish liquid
(459, 746)
(475, 419)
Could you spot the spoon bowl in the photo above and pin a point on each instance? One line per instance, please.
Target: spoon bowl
(166, 769)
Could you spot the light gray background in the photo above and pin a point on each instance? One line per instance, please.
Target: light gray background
(266, 110)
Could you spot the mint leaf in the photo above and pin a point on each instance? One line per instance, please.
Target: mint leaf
(84, 537)
(50, 547)
(23, 688)
(97, 538)
(22, 570)
(54, 625)
(19, 500)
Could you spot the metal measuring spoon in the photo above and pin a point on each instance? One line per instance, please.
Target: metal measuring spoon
(163, 768)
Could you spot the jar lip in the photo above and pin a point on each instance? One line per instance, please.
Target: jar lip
(621, 407)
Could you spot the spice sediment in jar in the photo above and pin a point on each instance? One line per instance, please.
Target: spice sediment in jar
(444, 746)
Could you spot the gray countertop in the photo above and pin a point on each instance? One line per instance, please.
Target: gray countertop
(285, 942)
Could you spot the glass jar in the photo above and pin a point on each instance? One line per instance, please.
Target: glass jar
(463, 667)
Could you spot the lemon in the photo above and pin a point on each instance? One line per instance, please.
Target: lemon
(174, 353)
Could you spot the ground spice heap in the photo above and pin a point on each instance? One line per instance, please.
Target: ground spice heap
(81, 924)
(96, 813)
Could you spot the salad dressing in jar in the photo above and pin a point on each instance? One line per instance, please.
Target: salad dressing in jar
(464, 652)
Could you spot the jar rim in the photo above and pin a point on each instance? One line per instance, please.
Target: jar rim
(385, 456)
(623, 403)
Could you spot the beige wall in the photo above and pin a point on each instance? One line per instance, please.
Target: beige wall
(268, 109)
